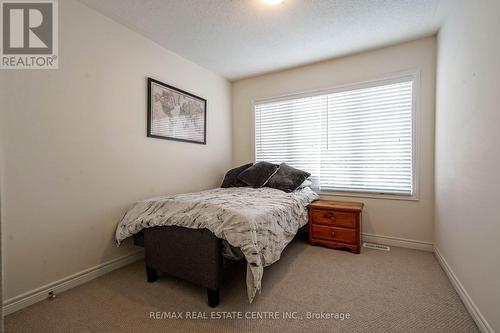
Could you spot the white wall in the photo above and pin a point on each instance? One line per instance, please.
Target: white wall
(76, 151)
(412, 220)
(467, 219)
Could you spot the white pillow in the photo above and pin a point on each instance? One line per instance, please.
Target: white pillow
(305, 183)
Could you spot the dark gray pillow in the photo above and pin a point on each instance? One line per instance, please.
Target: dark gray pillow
(258, 174)
(231, 177)
(287, 178)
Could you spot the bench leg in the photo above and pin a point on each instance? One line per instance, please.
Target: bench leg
(152, 274)
(213, 297)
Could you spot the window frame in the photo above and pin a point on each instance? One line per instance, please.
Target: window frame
(413, 75)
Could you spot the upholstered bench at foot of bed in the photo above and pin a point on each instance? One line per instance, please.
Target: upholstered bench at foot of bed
(193, 255)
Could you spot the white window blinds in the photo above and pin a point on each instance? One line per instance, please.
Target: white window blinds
(356, 140)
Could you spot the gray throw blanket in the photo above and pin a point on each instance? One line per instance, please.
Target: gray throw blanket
(260, 222)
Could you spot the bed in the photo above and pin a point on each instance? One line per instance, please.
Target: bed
(196, 236)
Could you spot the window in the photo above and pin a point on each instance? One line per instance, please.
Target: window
(359, 139)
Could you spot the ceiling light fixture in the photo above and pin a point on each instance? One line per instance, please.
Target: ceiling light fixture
(272, 2)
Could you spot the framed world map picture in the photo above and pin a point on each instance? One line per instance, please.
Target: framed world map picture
(174, 114)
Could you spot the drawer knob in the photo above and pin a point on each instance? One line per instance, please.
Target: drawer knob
(328, 215)
(333, 233)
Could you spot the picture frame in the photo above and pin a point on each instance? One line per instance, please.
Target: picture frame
(175, 114)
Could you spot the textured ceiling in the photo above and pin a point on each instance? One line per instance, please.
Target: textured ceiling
(241, 38)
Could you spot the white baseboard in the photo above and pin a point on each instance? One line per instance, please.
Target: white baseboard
(396, 241)
(16, 303)
(478, 317)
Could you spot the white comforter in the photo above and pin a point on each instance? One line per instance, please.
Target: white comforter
(260, 222)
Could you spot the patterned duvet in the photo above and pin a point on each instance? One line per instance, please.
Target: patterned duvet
(260, 222)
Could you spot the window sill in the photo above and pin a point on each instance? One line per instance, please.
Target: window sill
(367, 195)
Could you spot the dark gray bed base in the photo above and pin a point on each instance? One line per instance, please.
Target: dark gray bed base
(193, 255)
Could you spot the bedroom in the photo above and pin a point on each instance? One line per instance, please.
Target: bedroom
(68, 176)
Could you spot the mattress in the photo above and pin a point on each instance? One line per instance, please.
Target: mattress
(259, 222)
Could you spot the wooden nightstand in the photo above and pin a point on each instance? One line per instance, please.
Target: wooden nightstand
(336, 224)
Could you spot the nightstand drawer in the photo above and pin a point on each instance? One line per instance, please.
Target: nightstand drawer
(334, 234)
(333, 218)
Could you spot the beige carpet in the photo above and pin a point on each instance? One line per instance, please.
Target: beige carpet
(398, 291)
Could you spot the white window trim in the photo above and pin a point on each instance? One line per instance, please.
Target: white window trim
(416, 137)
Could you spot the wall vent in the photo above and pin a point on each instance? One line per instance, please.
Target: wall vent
(376, 246)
